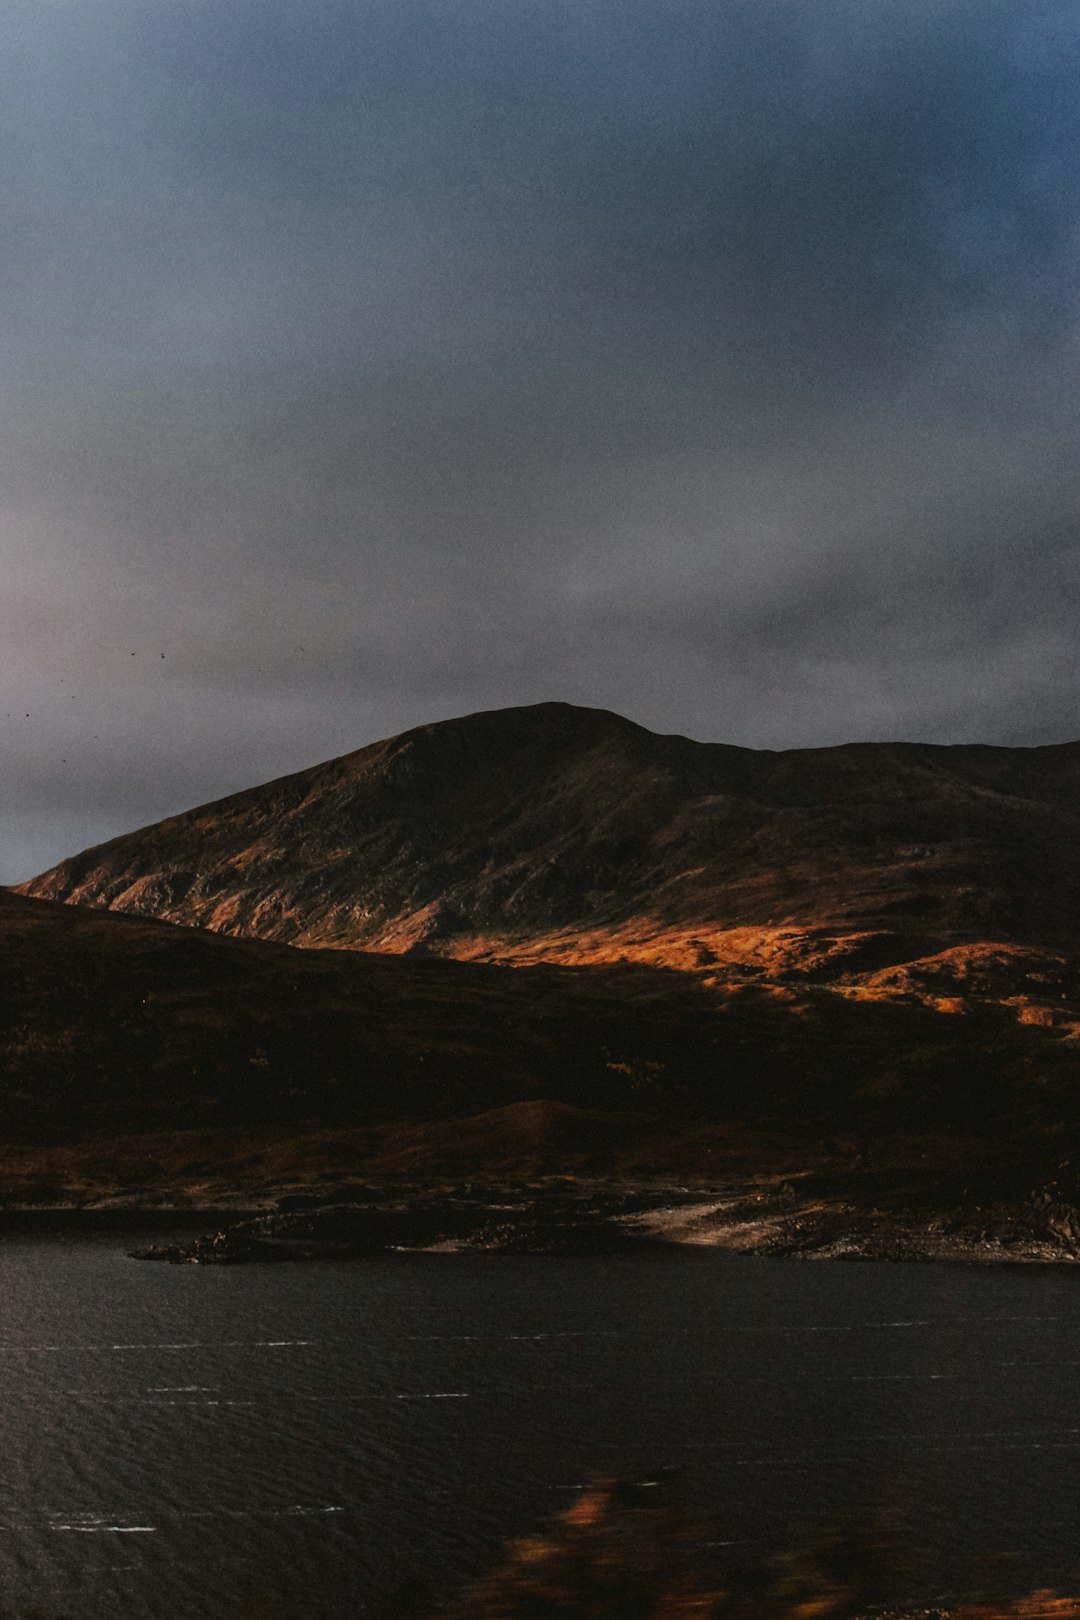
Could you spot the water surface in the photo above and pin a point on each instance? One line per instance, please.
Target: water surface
(179, 1440)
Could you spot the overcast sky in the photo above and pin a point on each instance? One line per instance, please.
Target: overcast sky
(368, 362)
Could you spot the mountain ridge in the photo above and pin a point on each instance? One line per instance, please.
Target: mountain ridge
(557, 833)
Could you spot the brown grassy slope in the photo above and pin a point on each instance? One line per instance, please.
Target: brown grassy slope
(560, 833)
(111, 1022)
(115, 1027)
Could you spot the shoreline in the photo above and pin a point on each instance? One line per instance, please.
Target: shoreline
(561, 1217)
(810, 1214)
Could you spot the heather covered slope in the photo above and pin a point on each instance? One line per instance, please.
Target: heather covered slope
(111, 1023)
(560, 833)
(142, 1059)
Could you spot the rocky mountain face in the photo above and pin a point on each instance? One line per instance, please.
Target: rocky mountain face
(560, 834)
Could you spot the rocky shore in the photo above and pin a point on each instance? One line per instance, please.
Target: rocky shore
(796, 1218)
(470, 1218)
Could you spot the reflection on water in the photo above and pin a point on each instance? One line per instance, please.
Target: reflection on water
(178, 1440)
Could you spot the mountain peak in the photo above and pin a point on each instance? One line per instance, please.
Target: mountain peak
(557, 832)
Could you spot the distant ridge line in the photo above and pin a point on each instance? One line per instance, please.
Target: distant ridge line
(564, 833)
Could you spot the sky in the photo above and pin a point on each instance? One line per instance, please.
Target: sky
(369, 362)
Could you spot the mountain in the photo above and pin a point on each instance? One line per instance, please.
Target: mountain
(550, 941)
(561, 834)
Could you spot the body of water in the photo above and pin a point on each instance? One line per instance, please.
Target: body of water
(180, 1441)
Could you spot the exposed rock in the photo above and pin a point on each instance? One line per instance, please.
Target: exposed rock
(814, 1220)
(504, 1222)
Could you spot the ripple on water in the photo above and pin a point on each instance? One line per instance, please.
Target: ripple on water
(179, 1441)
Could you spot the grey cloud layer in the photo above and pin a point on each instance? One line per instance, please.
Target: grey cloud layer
(380, 362)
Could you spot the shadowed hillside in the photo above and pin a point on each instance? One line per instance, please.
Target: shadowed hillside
(111, 1022)
(559, 833)
(137, 1055)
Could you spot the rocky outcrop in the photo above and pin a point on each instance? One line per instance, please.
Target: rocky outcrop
(504, 1221)
(811, 1216)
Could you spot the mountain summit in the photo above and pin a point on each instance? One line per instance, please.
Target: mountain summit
(570, 834)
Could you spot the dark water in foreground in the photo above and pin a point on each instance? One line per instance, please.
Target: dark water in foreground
(177, 1440)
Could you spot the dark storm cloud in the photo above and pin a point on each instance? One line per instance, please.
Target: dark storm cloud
(379, 362)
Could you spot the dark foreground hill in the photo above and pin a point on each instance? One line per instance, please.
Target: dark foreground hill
(111, 1023)
(144, 1060)
(565, 834)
